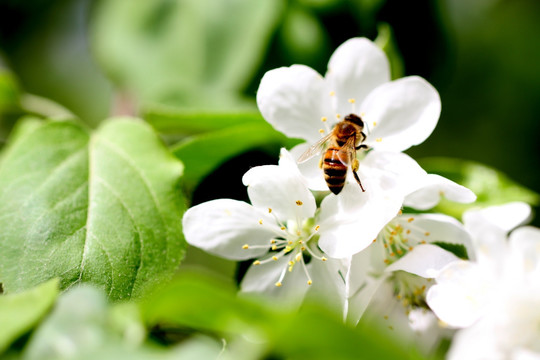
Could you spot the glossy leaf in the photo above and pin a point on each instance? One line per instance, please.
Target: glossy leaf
(20, 312)
(490, 186)
(100, 207)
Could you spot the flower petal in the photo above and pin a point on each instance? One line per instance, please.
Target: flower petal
(262, 279)
(328, 287)
(293, 100)
(424, 260)
(435, 186)
(461, 293)
(525, 248)
(400, 114)
(357, 67)
(281, 189)
(351, 220)
(310, 169)
(222, 227)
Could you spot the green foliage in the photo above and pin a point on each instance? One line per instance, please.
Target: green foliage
(183, 52)
(20, 312)
(457, 249)
(261, 328)
(101, 207)
(491, 186)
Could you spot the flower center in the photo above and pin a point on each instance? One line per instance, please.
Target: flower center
(296, 242)
(399, 237)
(410, 289)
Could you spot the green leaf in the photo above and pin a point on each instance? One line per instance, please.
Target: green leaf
(490, 186)
(101, 207)
(457, 249)
(210, 305)
(386, 41)
(204, 153)
(160, 49)
(173, 121)
(20, 312)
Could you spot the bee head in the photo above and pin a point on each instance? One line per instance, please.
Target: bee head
(354, 119)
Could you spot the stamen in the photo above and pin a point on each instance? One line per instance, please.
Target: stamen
(260, 222)
(378, 139)
(338, 116)
(317, 228)
(411, 219)
(324, 118)
(321, 131)
(269, 210)
(246, 246)
(278, 284)
(299, 203)
(374, 123)
(257, 262)
(332, 93)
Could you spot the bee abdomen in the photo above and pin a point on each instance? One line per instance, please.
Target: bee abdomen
(334, 175)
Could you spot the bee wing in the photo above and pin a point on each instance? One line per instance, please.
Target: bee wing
(314, 149)
(348, 151)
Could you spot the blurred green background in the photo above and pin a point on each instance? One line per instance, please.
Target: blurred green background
(162, 58)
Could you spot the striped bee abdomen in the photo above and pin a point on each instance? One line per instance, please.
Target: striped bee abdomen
(335, 172)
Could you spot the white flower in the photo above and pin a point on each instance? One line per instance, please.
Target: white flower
(279, 229)
(302, 104)
(388, 281)
(496, 298)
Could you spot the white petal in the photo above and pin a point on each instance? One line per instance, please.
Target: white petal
(310, 169)
(505, 217)
(405, 112)
(262, 279)
(394, 172)
(357, 67)
(461, 294)
(351, 220)
(433, 188)
(443, 228)
(222, 227)
(424, 260)
(281, 189)
(525, 249)
(328, 287)
(294, 99)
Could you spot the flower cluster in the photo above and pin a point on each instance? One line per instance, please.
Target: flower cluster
(356, 250)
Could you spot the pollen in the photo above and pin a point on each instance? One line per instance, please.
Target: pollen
(274, 258)
(283, 228)
(386, 261)
(374, 123)
(309, 282)
(260, 221)
(324, 118)
(256, 262)
(317, 228)
(378, 139)
(274, 247)
(287, 249)
(352, 101)
(408, 231)
(427, 233)
(272, 241)
(332, 93)
(278, 284)
(298, 257)
(246, 246)
(411, 219)
(323, 259)
(338, 116)
(385, 317)
(374, 240)
(269, 210)
(291, 263)
(299, 203)
(321, 131)
(303, 248)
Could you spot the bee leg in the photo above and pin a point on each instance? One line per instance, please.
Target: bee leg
(321, 162)
(363, 146)
(355, 165)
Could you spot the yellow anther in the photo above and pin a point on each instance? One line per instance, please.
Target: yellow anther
(378, 139)
(303, 248)
(300, 241)
(283, 228)
(399, 251)
(374, 240)
(398, 297)
(423, 242)
(392, 254)
(324, 118)
(374, 123)
(408, 231)
(278, 284)
(274, 247)
(321, 131)
(299, 203)
(309, 282)
(260, 221)
(386, 261)
(256, 262)
(386, 246)
(391, 327)
(246, 246)
(324, 259)
(272, 241)
(290, 242)
(287, 249)
(317, 228)
(291, 263)
(269, 210)
(410, 219)
(427, 233)
(352, 101)
(385, 317)
(338, 116)
(298, 257)
(411, 248)
(274, 258)
(290, 268)
(332, 93)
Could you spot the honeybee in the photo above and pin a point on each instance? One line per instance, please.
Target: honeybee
(340, 152)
